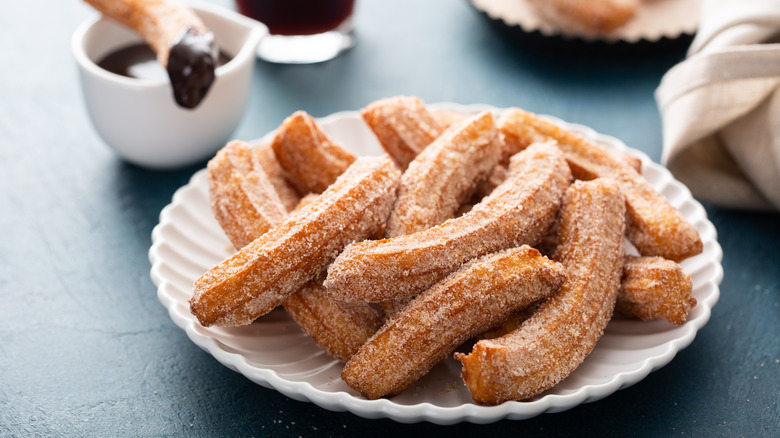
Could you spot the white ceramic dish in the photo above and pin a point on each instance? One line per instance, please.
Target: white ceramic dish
(654, 20)
(139, 118)
(274, 352)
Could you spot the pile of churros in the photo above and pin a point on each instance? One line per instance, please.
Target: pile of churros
(503, 231)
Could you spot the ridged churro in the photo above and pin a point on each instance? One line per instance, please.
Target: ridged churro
(519, 211)
(242, 197)
(182, 43)
(463, 304)
(653, 225)
(337, 327)
(556, 339)
(655, 288)
(600, 16)
(278, 263)
(298, 143)
(403, 125)
(264, 156)
(444, 175)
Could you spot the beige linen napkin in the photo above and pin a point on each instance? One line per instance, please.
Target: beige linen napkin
(721, 106)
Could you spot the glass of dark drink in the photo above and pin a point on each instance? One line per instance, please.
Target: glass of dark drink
(302, 31)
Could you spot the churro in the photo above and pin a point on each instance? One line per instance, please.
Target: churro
(278, 263)
(298, 143)
(264, 156)
(653, 225)
(655, 288)
(599, 16)
(444, 175)
(461, 305)
(182, 43)
(556, 339)
(403, 125)
(519, 211)
(243, 200)
(337, 327)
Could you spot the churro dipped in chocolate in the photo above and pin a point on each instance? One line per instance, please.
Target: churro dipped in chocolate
(183, 44)
(403, 125)
(278, 263)
(556, 339)
(310, 159)
(440, 319)
(653, 225)
(444, 175)
(655, 288)
(519, 211)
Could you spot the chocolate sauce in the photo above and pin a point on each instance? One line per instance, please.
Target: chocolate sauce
(191, 64)
(190, 86)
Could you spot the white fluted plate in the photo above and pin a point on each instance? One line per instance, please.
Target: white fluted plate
(274, 353)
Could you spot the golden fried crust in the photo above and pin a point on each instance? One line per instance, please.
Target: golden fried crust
(655, 288)
(554, 341)
(463, 304)
(599, 16)
(158, 22)
(262, 274)
(337, 327)
(263, 155)
(653, 225)
(242, 197)
(519, 211)
(309, 158)
(444, 175)
(403, 125)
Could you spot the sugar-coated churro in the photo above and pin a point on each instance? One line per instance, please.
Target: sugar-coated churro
(403, 125)
(556, 339)
(655, 288)
(461, 305)
(653, 225)
(264, 156)
(600, 16)
(242, 196)
(310, 159)
(444, 175)
(269, 269)
(337, 327)
(519, 211)
(183, 44)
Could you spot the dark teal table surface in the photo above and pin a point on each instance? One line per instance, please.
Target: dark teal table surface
(86, 349)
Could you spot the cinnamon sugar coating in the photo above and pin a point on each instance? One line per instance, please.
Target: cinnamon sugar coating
(269, 269)
(444, 175)
(264, 156)
(653, 225)
(519, 211)
(461, 305)
(655, 288)
(337, 327)
(556, 339)
(403, 125)
(600, 16)
(242, 196)
(298, 143)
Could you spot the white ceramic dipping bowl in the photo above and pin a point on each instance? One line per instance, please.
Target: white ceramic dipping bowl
(140, 119)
